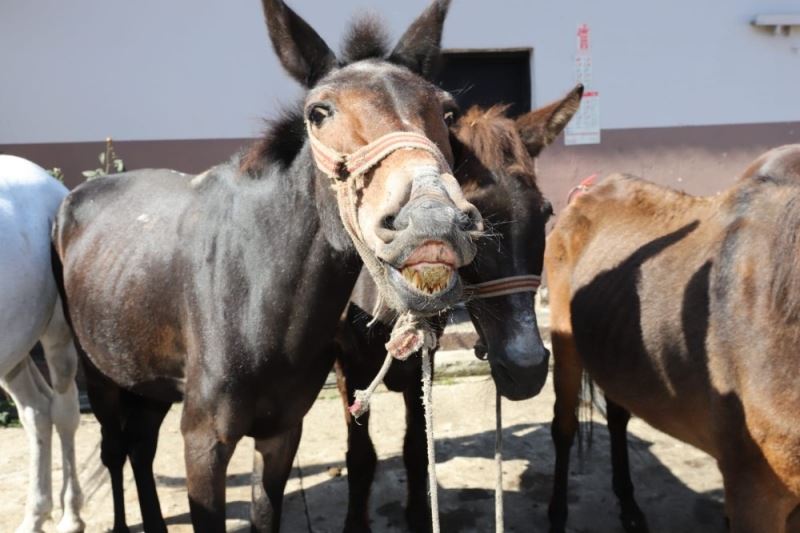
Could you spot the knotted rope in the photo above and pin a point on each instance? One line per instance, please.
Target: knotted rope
(498, 464)
(409, 335)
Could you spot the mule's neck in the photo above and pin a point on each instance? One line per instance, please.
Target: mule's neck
(313, 265)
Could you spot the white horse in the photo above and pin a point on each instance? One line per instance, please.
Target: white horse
(30, 310)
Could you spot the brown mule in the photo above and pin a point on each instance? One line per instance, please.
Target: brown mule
(686, 312)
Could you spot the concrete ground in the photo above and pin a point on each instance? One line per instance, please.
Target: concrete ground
(678, 487)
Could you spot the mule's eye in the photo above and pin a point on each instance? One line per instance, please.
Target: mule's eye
(449, 117)
(318, 113)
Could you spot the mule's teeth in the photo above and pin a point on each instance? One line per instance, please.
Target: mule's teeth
(428, 279)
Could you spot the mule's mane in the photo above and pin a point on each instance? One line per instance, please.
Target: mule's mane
(494, 139)
(366, 38)
(283, 138)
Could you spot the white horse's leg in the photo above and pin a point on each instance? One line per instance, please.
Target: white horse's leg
(24, 384)
(62, 361)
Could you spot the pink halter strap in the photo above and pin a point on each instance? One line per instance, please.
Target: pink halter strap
(504, 286)
(339, 166)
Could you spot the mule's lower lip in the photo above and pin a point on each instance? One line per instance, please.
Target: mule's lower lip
(429, 279)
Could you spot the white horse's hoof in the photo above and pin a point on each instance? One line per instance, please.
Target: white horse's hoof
(70, 524)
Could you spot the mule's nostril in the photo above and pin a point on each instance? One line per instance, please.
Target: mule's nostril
(386, 229)
(387, 222)
(471, 220)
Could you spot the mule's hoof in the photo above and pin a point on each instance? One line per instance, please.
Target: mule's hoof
(70, 524)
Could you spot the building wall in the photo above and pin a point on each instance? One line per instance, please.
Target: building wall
(202, 70)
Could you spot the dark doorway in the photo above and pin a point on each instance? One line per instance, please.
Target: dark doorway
(488, 76)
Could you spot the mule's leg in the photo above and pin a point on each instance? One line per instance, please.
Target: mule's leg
(633, 520)
(62, 363)
(105, 398)
(207, 455)
(361, 464)
(415, 457)
(275, 464)
(567, 373)
(755, 501)
(32, 396)
(141, 435)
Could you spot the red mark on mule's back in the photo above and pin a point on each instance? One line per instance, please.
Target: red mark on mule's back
(581, 188)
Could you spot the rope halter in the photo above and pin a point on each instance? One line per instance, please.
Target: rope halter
(341, 167)
(504, 286)
(347, 174)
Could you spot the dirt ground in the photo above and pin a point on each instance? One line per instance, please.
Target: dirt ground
(678, 487)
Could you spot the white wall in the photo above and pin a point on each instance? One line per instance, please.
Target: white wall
(81, 70)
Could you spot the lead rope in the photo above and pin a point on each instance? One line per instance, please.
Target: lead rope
(498, 463)
(433, 485)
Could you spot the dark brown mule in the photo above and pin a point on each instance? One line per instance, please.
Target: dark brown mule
(686, 312)
(226, 288)
(495, 165)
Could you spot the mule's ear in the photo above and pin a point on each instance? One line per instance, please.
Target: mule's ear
(301, 50)
(420, 46)
(541, 127)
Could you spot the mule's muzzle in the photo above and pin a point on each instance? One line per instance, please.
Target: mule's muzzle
(519, 376)
(431, 239)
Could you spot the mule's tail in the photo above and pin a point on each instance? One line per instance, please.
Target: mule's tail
(58, 274)
(589, 401)
(58, 268)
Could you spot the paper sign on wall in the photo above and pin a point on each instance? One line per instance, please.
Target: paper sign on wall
(584, 128)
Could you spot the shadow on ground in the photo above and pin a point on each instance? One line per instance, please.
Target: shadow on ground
(668, 502)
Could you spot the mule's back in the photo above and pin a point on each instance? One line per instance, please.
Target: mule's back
(149, 214)
(29, 198)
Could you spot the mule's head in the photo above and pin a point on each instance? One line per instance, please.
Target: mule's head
(405, 210)
(779, 164)
(496, 168)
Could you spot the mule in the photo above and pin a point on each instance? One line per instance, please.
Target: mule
(225, 288)
(495, 164)
(29, 312)
(685, 311)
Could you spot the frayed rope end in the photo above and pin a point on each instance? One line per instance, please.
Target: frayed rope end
(360, 405)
